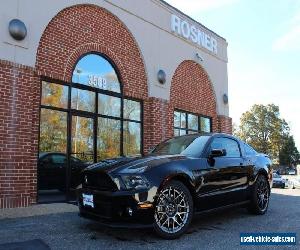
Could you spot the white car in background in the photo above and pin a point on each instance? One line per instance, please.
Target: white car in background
(295, 183)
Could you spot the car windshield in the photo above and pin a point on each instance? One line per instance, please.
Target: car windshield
(191, 145)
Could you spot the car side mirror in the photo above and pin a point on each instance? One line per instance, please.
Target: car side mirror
(217, 153)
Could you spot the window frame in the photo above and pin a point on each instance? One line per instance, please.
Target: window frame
(94, 115)
(186, 129)
(228, 138)
(251, 149)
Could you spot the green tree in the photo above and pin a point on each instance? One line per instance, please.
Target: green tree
(289, 154)
(263, 129)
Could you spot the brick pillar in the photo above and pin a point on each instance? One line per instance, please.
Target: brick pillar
(19, 121)
(225, 124)
(158, 122)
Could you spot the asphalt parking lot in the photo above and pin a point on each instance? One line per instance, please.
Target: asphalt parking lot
(63, 229)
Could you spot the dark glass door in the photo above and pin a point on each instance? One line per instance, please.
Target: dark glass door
(81, 150)
(52, 161)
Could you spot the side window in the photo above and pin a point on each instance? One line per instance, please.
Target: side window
(249, 150)
(59, 159)
(231, 146)
(46, 160)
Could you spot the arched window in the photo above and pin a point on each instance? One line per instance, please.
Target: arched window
(96, 71)
(88, 119)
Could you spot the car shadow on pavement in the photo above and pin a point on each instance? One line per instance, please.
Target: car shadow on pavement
(236, 219)
(205, 222)
(218, 230)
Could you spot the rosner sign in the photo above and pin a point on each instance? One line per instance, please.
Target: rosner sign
(191, 33)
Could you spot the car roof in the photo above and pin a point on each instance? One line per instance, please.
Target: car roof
(210, 134)
(42, 154)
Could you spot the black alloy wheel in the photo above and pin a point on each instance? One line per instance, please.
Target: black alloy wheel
(260, 196)
(173, 210)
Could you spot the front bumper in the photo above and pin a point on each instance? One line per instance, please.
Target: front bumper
(118, 209)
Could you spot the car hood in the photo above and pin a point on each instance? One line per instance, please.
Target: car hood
(131, 165)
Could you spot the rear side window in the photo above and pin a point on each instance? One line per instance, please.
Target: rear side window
(47, 159)
(249, 151)
(59, 159)
(231, 146)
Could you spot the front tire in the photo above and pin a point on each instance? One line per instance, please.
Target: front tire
(260, 196)
(173, 211)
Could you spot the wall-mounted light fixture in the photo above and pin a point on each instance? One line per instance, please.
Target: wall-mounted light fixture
(199, 57)
(17, 29)
(161, 76)
(225, 99)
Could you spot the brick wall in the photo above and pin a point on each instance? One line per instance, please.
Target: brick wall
(158, 122)
(19, 109)
(81, 29)
(74, 32)
(192, 91)
(225, 124)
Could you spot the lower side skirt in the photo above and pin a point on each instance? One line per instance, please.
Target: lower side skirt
(222, 207)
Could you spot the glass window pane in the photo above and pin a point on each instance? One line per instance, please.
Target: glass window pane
(192, 132)
(83, 100)
(132, 138)
(132, 110)
(177, 116)
(193, 122)
(180, 120)
(83, 138)
(176, 132)
(54, 95)
(95, 71)
(182, 132)
(249, 150)
(205, 124)
(53, 131)
(231, 146)
(59, 159)
(109, 105)
(108, 141)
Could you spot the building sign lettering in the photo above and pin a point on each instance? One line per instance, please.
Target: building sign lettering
(97, 82)
(193, 34)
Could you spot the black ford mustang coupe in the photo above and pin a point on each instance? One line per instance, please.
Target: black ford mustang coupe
(180, 177)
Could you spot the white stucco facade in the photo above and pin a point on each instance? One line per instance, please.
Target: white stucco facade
(149, 21)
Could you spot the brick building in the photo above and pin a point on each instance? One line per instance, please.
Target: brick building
(98, 79)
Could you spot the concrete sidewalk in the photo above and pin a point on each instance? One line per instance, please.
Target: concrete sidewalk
(36, 210)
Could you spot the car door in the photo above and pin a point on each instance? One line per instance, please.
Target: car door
(224, 178)
(231, 178)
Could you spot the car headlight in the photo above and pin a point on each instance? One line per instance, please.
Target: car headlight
(135, 182)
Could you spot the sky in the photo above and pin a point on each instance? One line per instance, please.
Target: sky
(263, 52)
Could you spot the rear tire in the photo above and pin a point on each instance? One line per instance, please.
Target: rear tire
(173, 210)
(260, 196)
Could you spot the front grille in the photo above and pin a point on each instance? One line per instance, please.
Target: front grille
(98, 181)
